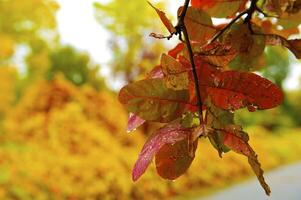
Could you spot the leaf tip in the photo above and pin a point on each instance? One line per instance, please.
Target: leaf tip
(136, 173)
(135, 177)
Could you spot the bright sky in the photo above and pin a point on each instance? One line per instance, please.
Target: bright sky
(78, 27)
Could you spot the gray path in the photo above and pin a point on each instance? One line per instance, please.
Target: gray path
(285, 184)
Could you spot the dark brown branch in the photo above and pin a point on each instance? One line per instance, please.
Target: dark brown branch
(181, 28)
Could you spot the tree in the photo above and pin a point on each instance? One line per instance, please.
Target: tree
(127, 37)
(19, 25)
(199, 85)
(77, 67)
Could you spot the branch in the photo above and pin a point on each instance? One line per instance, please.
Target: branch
(250, 11)
(181, 28)
(228, 26)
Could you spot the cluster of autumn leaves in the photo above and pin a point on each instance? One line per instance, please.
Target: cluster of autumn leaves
(226, 83)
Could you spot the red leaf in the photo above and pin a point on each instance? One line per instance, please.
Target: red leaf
(240, 145)
(199, 25)
(172, 160)
(234, 90)
(169, 134)
(237, 144)
(206, 74)
(134, 122)
(176, 50)
(218, 54)
(203, 3)
(220, 8)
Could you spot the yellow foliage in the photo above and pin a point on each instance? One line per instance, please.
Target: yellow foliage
(65, 142)
(8, 77)
(6, 46)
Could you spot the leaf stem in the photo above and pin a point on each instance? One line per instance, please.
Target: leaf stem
(181, 28)
(228, 26)
(253, 7)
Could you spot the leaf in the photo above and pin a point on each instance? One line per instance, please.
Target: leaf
(155, 73)
(134, 122)
(259, 173)
(216, 139)
(220, 8)
(249, 47)
(175, 74)
(293, 45)
(269, 28)
(151, 100)
(172, 160)
(273, 6)
(157, 36)
(234, 90)
(176, 50)
(169, 134)
(218, 119)
(206, 74)
(217, 54)
(291, 15)
(199, 25)
(164, 19)
(240, 145)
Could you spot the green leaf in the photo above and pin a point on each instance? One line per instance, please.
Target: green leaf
(151, 100)
(218, 119)
(216, 138)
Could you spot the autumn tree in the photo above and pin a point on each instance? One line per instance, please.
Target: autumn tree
(19, 25)
(127, 32)
(206, 77)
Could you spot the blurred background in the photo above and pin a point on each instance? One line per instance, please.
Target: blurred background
(62, 130)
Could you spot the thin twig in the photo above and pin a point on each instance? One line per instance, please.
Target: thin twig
(250, 11)
(228, 26)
